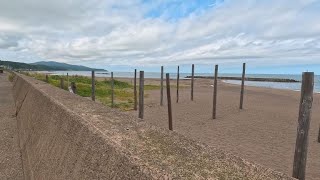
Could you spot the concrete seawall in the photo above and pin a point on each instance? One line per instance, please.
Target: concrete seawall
(64, 136)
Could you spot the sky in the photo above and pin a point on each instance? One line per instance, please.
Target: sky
(271, 36)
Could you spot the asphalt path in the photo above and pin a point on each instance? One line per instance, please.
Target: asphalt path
(10, 156)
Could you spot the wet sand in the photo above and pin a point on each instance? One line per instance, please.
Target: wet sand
(264, 132)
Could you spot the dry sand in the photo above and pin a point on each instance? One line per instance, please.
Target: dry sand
(264, 132)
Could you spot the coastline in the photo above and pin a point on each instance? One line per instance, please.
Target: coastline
(286, 80)
(271, 81)
(186, 83)
(273, 86)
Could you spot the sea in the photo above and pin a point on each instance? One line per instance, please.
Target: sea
(275, 85)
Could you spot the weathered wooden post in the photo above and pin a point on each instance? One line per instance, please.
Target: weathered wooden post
(319, 135)
(135, 90)
(112, 90)
(178, 78)
(47, 78)
(192, 82)
(61, 83)
(215, 89)
(141, 95)
(67, 80)
(242, 85)
(305, 109)
(93, 87)
(74, 87)
(169, 101)
(161, 87)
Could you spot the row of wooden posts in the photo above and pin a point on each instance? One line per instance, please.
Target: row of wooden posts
(300, 156)
(306, 100)
(141, 90)
(214, 106)
(305, 109)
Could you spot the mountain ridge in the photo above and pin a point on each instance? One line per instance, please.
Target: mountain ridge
(66, 66)
(46, 66)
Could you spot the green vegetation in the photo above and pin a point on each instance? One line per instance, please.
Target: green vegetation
(24, 66)
(123, 91)
(10, 77)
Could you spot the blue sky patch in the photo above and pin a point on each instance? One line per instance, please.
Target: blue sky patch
(176, 9)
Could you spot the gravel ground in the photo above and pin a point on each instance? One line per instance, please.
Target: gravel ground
(10, 157)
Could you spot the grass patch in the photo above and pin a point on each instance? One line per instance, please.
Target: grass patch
(11, 76)
(123, 91)
(151, 87)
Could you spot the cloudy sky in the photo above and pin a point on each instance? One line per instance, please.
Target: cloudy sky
(270, 35)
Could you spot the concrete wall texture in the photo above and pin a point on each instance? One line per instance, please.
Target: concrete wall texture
(65, 136)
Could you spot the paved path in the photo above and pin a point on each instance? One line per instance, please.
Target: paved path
(10, 157)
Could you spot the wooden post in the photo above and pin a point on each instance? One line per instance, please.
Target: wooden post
(161, 87)
(47, 78)
(305, 109)
(61, 83)
(215, 89)
(93, 87)
(67, 80)
(169, 101)
(192, 82)
(242, 85)
(135, 90)
(112, 90)
(178, 78)
(141, 95)
(319, 136)
(74, 87)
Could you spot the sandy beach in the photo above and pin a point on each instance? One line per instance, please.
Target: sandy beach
(264, 132)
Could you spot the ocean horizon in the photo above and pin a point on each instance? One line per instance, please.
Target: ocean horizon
(157, 75)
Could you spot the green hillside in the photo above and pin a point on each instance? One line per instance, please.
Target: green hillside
(45, 66)
(25, 66)
(65, 66)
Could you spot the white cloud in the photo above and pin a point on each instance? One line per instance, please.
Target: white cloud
(122, 33)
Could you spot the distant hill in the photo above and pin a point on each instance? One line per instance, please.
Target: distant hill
(25, 66)
(65, 66)
(45, 66)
